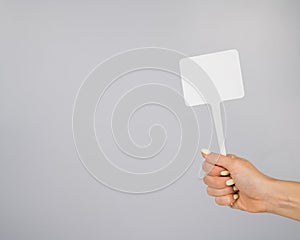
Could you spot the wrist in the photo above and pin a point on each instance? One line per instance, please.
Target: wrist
(276, 198)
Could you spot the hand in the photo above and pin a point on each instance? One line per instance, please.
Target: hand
(235, 182)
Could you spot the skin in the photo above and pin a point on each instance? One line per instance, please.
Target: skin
(256, 191)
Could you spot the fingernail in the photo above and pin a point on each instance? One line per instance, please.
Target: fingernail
(235, 196)
(205, 151)
(235, 188)
(229, 182)
(224, 173)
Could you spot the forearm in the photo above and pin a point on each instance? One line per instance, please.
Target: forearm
(284, 199)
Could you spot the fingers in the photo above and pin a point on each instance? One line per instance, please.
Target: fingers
(214, 170)
(214, 192)
(220, 184)
(227, 200)
(217, 182)
(222, 188)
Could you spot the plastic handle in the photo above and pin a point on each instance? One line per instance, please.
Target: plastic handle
(217, 117)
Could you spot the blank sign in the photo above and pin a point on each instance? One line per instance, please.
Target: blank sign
(224, 70)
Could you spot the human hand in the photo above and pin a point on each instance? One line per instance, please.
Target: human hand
(235, 182)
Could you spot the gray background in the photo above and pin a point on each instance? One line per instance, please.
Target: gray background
(47, 49)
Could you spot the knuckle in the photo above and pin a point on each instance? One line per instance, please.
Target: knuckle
(218, 201)
(204, 166)
(205, 179)
(208, 191)
(232, 156)
(246, 161)
(234, 162)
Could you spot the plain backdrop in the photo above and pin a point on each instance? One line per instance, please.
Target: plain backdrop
(46, 50)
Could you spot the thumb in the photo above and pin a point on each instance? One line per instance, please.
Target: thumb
(217, 158)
